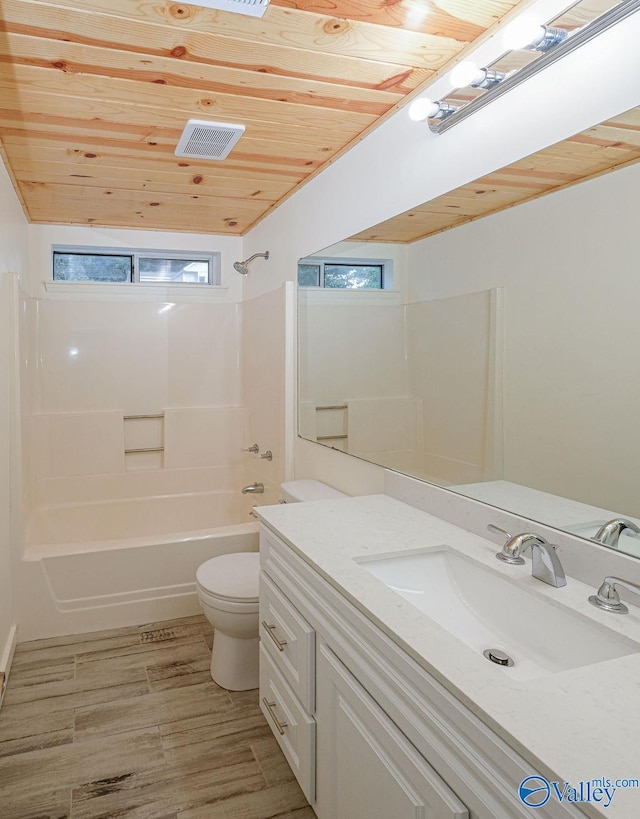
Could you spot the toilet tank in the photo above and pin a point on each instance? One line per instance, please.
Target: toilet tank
(308, 490)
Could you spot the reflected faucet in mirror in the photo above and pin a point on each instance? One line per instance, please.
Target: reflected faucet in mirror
(609, 533)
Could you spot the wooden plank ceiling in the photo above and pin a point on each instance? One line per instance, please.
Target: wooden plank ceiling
(94, 95)
(602, 148)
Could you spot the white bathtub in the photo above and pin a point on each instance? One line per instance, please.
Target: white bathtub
(118, 553)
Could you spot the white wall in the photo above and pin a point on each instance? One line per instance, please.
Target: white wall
(13, 252)
(569, 267)
(42, 237)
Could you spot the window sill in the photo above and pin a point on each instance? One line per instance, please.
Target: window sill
(136, 292)
(353, 296)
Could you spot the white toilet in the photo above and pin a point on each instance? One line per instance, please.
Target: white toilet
(228, 593)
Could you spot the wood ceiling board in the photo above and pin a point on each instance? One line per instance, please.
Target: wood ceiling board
(249, 153)
(40, 193)
(79, 59)
(279, 27)
(104, 144)
(247, 160)
(93, 155)
(32, 87)
(220, 53)
(146, 220)
(65, 174)
(462, 20)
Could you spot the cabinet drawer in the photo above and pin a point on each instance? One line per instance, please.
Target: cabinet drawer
(289, 640)
(294, 729)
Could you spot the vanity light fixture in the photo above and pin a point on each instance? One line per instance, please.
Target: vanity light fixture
(525, 33)
(468, 73)
(552, 42)
(424, 109)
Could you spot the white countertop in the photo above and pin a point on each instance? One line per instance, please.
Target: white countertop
(572, 726)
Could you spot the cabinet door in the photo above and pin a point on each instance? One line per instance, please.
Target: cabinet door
(367, 769)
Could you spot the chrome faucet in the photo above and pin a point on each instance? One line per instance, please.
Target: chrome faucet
(545, 563)
(253, 489)
(253, 448)
(608, 598)
(609, 533)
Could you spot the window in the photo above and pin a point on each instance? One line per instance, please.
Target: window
(113, 265)
(353, 274)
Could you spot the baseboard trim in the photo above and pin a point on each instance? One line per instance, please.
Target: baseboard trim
(6, 658)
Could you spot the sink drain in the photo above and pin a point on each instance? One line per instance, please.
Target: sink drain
(498, 657)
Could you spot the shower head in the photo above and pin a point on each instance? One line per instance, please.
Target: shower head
(243, 267)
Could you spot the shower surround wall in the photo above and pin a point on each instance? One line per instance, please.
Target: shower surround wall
(92, 363)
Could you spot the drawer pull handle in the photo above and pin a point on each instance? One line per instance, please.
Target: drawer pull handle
(270, 629)
(270, 706)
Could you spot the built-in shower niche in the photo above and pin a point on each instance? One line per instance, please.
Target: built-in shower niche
(143, 441)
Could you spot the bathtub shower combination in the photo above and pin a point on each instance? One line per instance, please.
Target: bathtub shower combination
(122, 550)
(136, 418)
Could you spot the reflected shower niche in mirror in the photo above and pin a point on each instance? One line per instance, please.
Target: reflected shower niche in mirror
(503, 364)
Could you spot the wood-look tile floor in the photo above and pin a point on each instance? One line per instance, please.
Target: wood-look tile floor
(128, 723)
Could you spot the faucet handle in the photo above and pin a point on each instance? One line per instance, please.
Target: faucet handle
(498, 531)
(608, 598)
(253, 448)
(516, 544)
(510, 552)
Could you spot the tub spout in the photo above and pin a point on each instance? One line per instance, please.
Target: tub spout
(253, 489)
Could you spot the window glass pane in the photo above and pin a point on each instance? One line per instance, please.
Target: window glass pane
(353, 275)
(309, 275)
(169, 271)
(91, 267)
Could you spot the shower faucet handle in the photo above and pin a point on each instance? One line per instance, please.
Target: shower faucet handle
(253, 448)
(267, 456)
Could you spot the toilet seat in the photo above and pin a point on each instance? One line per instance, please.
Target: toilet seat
(230, 578)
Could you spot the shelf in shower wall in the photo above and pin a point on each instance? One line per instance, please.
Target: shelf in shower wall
(144, 441)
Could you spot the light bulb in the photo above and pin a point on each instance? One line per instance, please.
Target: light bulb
(421, 109)
(466, 73)
(522, 33)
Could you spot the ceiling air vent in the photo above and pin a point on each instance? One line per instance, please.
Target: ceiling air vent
(254, 8)
(208, 140)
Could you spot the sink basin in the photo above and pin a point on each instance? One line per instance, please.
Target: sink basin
(485, 610)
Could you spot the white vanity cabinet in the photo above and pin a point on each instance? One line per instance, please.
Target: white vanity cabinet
(370, 733)
(369, 768)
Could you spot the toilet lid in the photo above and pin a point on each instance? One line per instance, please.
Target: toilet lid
(232, 577)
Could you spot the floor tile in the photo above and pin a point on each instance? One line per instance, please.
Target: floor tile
(72, 699)
(264, 804)
(152, 794)
(273, 765)
(128, 723)
(159, 707)
(80, 762)
(48, 805)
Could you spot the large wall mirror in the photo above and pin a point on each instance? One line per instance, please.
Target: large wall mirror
(500, 358)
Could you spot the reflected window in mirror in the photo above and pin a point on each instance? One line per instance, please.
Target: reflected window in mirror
(346, 274)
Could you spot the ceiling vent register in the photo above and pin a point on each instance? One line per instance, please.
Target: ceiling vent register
(208, 140)
(253, 8)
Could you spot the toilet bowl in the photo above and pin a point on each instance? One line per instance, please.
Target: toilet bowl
(229, 596)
